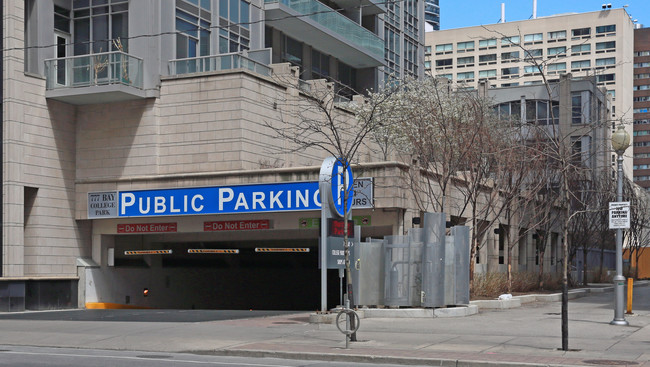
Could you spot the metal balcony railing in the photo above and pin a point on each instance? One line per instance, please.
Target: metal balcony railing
(330, 19)
(216, 63)
(93, 70)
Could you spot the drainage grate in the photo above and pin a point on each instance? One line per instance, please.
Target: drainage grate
(609, 362)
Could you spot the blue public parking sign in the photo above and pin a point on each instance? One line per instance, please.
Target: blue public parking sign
(341, 177)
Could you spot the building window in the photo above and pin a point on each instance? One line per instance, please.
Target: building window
(465, 46)
(641, 87)
(193, 30)
(535, 37)
(445, 47)
(492, 42)
(605, 29)
(427, 64)
(97, 26)
(581, 64)
(320, 65)
(606, 61)
(487, 58)
(235, 14)
(641, 99)
(507, 41)
(580, 32)
(465, 76)
(444, 62)
(61, 19)
(392, 42)
(605, 78)
(605, 45)
(641, 110)
(557, 51)
(576, 108)
(292, 52)
(642, 65)
(509, 111)
(531, 69)
(581, 49)
(509, 71)
(642, 76)
(487, 73)
(347, 77)
(533, 54)
(427, 50)
(465, 61)
(448, 76)
(510, 56)
(557, 35)
(557, 66)
(641, 53)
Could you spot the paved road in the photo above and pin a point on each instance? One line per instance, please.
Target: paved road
(141, 315)
(529, 335)
(66, 357)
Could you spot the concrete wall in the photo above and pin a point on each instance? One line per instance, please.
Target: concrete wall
(42, 238)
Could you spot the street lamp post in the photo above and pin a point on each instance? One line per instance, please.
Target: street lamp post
(620, 142)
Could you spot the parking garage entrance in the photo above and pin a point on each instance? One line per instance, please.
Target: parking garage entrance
(262, 274)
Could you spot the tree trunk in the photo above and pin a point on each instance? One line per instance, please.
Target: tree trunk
(541, 269)
(602, 260)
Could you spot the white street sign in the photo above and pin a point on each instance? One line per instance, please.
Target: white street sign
(619, 215)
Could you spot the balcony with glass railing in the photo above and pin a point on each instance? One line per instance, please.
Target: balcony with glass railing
(217, 63)
(95, 78)
(327, 30)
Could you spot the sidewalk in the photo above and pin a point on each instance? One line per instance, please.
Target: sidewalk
(524, 336)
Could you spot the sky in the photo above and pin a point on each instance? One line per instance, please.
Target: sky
(467, 13)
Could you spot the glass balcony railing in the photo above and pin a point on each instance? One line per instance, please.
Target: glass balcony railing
(216, 63)
(330, 19)
(92, 70)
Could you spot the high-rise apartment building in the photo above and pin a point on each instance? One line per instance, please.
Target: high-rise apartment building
(598, 43)
(432, 14)
(163, 108)
(641, 144)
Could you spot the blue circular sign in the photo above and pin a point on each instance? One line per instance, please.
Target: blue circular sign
(341, 178)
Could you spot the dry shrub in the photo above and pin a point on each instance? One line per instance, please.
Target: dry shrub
(491, 285)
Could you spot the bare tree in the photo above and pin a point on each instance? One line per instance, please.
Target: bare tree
(317, 119)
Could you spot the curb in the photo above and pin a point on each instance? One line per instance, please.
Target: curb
(473, 308)
(366, 313)
(365, 358)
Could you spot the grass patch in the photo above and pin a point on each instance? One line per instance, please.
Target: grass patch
(491, 285)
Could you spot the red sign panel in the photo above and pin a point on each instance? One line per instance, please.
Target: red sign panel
(336, 228)
(236, 225)
(146, 227)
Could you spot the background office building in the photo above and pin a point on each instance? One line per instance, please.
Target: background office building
(116, 98)
(599, 43)
(641, 145)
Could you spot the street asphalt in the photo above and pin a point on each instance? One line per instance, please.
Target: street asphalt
(529, 335)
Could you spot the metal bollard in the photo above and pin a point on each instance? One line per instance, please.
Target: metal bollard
(630, 293)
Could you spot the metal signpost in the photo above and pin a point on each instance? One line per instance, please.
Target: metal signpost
(619, 219)
(335, 181)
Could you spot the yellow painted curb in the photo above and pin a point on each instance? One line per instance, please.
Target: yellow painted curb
(111, 306)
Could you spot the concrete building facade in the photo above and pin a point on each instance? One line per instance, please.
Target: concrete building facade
(106, 96)
(598, 43)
